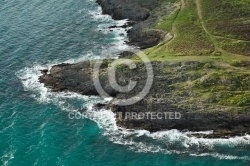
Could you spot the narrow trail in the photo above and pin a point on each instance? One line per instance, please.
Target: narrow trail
(174, 29)
(199, 11)
(182, 5)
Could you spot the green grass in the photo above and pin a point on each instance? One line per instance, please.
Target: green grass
(223, 79)
(228, 18)
(215, 86)
(228, 22)
(166, 22)
(234, 46)
(190, 38)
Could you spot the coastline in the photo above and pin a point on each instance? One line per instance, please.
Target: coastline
(61, 78)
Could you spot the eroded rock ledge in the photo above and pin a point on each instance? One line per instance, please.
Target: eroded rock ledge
(170, 92)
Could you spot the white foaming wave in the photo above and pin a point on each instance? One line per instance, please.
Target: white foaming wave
(105, 119)
(200, 132)
(97, 14)
(189, 141)
(120, 36)
(221, 156)
(121, 22)
(29, 77)
(7, 127)
(120, 33)
(133, 139)
(87, 56)
(136, 140)
(7, 157)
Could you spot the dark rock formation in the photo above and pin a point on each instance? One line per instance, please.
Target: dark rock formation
(45, 71)
(68, 77)
(142, 15)
(121, 9)
(144, 38)
(160, 99)
(163, 97)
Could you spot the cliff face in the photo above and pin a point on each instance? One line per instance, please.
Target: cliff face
(144, 14)
(125, 9)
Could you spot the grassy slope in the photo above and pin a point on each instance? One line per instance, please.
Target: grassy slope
(230, 40)
(228, 23)
(189, 37)
(216, 33)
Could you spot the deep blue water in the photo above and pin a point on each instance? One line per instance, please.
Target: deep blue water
(34, 125)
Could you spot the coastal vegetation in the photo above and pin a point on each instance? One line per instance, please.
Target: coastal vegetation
(215, 33)
(200, 27)
(199, 51)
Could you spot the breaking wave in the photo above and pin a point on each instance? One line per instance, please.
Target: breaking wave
(142, 141)
(167, 142)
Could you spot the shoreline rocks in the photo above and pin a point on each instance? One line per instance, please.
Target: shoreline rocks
(141, 17)
(163, 96)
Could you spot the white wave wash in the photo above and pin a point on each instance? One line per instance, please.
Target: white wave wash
(167, 142)
(8, 156)
(133, 139)
(119, 32)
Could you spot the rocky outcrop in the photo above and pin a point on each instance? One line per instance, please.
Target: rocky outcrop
(177, 87)
(67, 77)
(124, 9)
(143, 13)
(74, 78)
(144, 38)
(163, 98)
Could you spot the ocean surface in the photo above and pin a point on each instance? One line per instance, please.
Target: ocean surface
(35, 128)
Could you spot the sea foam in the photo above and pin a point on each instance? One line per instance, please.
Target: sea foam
(142, 141)
(167, 142)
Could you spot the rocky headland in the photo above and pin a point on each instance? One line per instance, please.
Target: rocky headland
(209, 94)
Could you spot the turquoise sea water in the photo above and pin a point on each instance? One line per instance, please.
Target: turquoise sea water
(34, 125)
